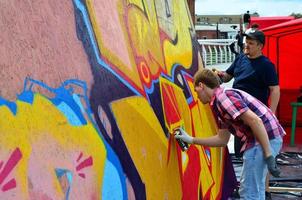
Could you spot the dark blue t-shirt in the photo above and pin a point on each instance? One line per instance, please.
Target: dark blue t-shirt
(254, 76)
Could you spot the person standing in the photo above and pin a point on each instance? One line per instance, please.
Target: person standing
(255, 74)
(246, 20)
(239, 39)
(239, 113)
(232, 49)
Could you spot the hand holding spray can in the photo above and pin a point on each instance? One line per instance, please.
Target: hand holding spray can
(183, 145)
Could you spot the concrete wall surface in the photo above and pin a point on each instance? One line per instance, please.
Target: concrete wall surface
(90, 92)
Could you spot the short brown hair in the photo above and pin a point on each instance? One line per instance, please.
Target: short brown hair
(207, 77)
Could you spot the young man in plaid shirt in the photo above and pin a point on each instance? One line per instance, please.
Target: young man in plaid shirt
(241, 114)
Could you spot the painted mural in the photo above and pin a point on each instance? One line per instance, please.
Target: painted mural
(90, 93)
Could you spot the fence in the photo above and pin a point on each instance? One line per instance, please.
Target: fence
(217, 51)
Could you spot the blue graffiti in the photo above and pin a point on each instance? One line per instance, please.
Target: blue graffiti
(65, 172)
(10, 105)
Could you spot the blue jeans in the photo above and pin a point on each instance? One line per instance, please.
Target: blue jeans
(254, 171)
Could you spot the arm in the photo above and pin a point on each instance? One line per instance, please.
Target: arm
(224, 76)
(219, 140)
(274, 97)
(255, 123)
(259, 131)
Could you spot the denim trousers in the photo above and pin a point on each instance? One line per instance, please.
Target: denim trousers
(254, 171)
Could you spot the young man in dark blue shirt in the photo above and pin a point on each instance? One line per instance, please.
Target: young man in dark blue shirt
(253, 72)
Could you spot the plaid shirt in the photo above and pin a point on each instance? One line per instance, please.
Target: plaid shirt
(228, 104)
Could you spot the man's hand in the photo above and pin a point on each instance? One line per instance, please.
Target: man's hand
(220, 74)
(184, 136)
(272, 166)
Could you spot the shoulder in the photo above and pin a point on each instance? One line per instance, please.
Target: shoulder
(266, 62)
(232, 102)
(241, 57)
(230, 94)
(239, 61)
(265, 59)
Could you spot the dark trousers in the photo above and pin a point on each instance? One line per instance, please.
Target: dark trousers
(237, 147)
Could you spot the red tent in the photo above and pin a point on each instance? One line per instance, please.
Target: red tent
(264, 22)
(284, 48)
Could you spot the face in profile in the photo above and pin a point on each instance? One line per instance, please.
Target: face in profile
(201, 93)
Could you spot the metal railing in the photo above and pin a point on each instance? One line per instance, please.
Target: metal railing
(217, 51)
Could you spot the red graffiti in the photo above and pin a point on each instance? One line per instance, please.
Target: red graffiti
(7, 169)
(83, 164)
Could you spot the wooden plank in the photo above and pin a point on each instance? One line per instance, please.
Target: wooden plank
(285, 189)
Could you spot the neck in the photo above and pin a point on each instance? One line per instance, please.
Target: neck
(255, 55)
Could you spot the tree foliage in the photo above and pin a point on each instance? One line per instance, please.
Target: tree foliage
(296, 15)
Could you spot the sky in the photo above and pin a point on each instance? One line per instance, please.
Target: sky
(264, 8)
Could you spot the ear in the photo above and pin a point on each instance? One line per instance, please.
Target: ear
(261, 45)
(200, 85)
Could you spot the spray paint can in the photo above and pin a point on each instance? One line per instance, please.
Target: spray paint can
(183, 145)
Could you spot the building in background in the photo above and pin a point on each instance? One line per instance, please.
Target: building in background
(220, 19)
(217, 26)
(216, 31)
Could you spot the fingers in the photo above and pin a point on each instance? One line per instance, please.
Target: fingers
(272, 166)
(178, 136)
(276, 173)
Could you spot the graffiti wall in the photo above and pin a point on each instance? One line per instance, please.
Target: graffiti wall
(90, 93)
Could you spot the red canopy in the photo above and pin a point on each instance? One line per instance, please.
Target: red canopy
(284, 48)
(264, 22)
